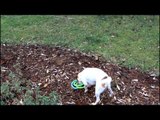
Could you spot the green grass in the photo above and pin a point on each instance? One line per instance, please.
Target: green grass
(131, 41)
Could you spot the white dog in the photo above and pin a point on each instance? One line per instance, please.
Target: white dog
(95, 76)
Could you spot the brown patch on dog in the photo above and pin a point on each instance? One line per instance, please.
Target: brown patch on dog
(103, 85)
(104, 78)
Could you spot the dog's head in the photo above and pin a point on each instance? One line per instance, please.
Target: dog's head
(79, 78)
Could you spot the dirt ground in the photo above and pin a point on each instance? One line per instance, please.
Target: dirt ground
(54, 68)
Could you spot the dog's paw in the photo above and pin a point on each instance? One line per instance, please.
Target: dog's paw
(93, 103)
(111, 94)
(85, 90)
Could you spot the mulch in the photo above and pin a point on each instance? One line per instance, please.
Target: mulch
(53, 68)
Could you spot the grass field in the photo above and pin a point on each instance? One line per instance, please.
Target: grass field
(131, 41)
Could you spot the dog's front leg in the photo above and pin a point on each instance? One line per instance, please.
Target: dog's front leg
(85, 86)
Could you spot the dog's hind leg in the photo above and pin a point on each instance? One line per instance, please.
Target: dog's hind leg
(98, 91)
(97, 99)
(110, 90)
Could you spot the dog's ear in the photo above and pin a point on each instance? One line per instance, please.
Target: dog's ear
(105, 77)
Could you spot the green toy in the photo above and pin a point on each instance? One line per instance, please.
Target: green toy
(76, 85)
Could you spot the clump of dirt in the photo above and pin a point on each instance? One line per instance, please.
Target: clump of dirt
(54, 68)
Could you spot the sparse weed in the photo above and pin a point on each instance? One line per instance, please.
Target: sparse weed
(19, 92)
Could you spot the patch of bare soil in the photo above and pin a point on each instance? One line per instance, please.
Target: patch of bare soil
(54, 68)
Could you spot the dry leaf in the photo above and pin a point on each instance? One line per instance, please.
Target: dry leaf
(135, 80)
(152, 86)
(39, 84)
(45, 85)
(118, 87)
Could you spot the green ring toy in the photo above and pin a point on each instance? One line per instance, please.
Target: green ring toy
(76, 85)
